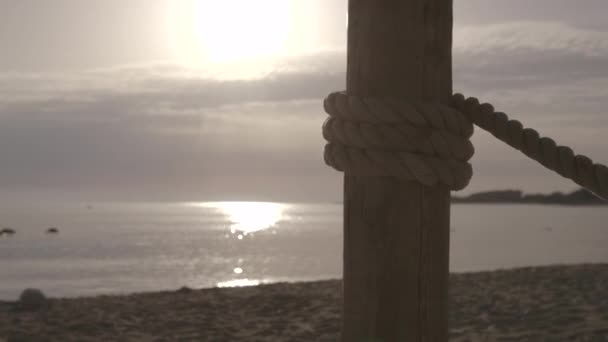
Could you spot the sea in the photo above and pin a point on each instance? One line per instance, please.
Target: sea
(116, 248)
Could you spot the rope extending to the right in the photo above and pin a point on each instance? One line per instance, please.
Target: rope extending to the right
(429, 142)
(561, 159)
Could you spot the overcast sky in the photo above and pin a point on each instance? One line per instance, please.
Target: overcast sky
(120, 100)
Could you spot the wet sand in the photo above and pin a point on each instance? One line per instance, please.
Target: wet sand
(557, 303)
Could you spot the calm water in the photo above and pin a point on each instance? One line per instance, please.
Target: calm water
(117, 248)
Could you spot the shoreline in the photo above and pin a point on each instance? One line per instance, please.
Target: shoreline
(564, 302)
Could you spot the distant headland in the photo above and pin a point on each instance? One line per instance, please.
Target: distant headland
(578, 197)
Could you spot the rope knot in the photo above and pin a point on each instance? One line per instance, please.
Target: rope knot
(424, 142)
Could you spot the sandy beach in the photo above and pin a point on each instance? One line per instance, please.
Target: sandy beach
(557, 303)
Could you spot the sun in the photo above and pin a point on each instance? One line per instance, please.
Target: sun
(234, 30)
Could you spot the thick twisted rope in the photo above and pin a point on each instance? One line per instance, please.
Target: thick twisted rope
(429, 143)
(561, 159)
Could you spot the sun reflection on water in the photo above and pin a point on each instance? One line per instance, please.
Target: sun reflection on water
(249, 217)
(239, 283)
(246, 218)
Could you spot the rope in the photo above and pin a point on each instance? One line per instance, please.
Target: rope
(561, 159)
(429, 142)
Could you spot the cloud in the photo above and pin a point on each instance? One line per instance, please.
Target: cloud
(164, 88)
(587, 14)
(529, 55)
(174, 131)
(495, 58)
(521, 38)
(231, 152)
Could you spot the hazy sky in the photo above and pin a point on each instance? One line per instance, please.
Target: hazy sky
(197, 100)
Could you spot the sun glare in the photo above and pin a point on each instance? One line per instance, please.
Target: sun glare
(248, 217)
(231, 30)
(239, 283)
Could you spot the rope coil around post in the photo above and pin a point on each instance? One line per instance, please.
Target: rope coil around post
(429, 142)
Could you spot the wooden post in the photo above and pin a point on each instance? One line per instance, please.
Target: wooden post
(396, 233)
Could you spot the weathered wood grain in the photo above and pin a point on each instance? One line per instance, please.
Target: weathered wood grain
(396, 233)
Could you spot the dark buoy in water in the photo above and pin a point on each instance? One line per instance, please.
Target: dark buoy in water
(52, 230)
(7, 231)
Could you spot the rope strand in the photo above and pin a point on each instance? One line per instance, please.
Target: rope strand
(561, 159)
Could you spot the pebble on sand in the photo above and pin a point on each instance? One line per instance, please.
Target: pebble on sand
(184, 289)
(32, 300)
